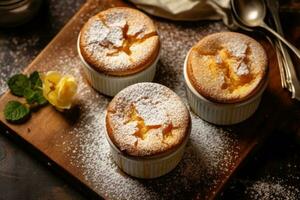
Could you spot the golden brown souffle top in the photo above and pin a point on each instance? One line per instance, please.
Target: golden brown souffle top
(147, 119)
(119, 41)
(227, 67)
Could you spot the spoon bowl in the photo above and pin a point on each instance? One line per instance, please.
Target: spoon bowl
(250, 13)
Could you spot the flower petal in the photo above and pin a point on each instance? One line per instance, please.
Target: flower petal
(59, 90)
(67, 88)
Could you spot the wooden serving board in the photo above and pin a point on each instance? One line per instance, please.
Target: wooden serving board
(75, 141)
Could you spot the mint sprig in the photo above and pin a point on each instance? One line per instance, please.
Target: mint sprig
(15, 111)
(35, 97)
(29, 87)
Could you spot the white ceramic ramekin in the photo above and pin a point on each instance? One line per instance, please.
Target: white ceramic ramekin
(147, 167)
(218, 113)
(111, 85)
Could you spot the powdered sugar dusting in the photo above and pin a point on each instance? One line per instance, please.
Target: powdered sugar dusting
(241, 69)
(115, 36)
(210, 152)
(98, 32)
(237, 48)
(139, 31)
(116, 19)
(218, 59)
(275, 189)
(152, 117)
(154, 104)
(109, 37)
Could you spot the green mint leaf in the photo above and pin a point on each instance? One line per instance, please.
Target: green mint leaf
(39, 98)
(35, 97)
(35, 80)
(18, 83)
(15, 111)
(29, 95)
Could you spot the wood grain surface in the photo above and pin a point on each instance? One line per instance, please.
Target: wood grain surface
(52, 134)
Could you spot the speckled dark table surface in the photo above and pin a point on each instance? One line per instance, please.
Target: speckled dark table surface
(273, 172)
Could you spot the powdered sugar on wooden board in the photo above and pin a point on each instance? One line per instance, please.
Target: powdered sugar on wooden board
(210, 153)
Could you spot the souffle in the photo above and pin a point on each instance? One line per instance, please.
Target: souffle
(147, 119)
(119, 41)
(227, 67)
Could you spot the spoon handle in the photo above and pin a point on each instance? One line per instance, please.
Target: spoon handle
(286, 59)
(287, 43)
(295, 86)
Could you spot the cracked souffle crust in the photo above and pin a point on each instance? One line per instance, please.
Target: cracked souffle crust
(119, 41)
(147, 119)
(227, 67)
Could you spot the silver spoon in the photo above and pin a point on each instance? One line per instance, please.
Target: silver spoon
(252, 14)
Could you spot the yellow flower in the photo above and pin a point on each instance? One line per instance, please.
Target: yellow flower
(59, 90)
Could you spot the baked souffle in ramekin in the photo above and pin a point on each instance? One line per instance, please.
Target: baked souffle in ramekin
(147, 127)
(119, 46)
(225, 75)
